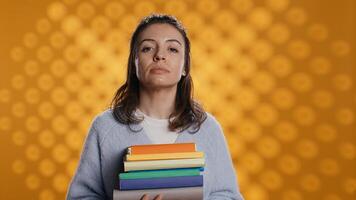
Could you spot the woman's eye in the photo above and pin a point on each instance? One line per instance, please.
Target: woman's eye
(145, 49)
(173, 50)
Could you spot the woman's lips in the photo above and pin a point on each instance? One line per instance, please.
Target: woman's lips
(159, 70)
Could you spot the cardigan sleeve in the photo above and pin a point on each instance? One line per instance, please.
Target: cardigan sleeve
(224, 179)
(87, 182)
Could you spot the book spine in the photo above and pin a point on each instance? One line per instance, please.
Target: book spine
(159, 174)
(163, 164)
(170, 182)
(163, 148)
(164, 156)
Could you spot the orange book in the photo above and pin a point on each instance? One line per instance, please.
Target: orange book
(161, 148)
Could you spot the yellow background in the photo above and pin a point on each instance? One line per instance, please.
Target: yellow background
(278, 74)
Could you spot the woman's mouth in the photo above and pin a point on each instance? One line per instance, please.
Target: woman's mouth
(159, 70)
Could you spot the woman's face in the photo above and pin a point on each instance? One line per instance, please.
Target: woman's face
(160, 56)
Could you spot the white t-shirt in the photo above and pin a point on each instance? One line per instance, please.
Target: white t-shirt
(157, 129)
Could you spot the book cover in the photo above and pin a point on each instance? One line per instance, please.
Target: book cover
(160, 173)
(166, 182)
(161, 148)
(185, 193)
(163, 164)
(164, 156)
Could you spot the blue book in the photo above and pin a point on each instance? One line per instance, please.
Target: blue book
(166, 182)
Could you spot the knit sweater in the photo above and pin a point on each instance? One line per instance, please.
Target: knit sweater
(102, 158)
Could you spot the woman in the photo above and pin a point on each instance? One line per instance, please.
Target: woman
(155, 105)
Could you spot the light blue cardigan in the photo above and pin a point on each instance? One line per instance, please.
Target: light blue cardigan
(102, 159)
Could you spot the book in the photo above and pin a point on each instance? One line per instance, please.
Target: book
(161, 148)
(163, 164)
(164, 156)
(166, 182)
(191, 193)
(160, 173)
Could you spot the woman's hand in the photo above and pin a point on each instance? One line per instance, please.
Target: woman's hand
(146, 197)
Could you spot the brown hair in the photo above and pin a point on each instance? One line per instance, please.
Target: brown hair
(187, 111)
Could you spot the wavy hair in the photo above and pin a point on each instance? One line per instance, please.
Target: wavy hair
(187, 111)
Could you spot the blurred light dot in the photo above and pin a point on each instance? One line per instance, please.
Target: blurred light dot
(323, 99)
(280, 65)
(296, 16)
(256, 192)
(73, 82)
(260, 18)
(207, 8)
(31, 68)
(60, 153)
(247, 98)
(74, 140)
(301, 82)
(289, 164)
(60, 182)
(5, 123)
(18, 166)
(350, 185)
(71, 167)
(320, 65)
(283, 98)
(278, 33)
(285, 131)
(345, 116)
(249, 129)
(342, 82)
(46, 138)
(115, 9)
(347, 150)
(30, 40)
(46, 110)
(277, 5)
(291, 195)
(245, 67)
(43, 26)
(224, 20)
(59, 68)
(32, 182)
(60, 124)
(268, 147)
(45, 82)
(47, 167)
(263, 82)
(32, 152)
(85, 10)
(304, 115)
(59, 96)
(252, 162)
(307, 148)
(317, 32)
(72, 54)
(18, 109)
(261, 50)
(5, 95)
(18, 81)
(33, 124)
(101, 24)
(19, 138)
(310, 182)
(44, 54)
(47, 194)
(17, 54)
(329, 166)
(71, 25)
(244, 35)
(32, 95)
(58, 40)
(241, 6)
(56, 11)
(325, 133)
(271, 179)
(299, 49)
(340, 48)
(266, 114)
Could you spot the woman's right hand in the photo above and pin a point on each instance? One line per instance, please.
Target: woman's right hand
(146, 197)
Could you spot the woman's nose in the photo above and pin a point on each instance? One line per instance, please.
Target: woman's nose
(159, 55)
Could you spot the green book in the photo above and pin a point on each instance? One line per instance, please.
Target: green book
(160, 173)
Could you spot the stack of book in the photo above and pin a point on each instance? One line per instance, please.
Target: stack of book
(173, 170)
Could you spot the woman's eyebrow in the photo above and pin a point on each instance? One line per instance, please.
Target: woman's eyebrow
(152, 40)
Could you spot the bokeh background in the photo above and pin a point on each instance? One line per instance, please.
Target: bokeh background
(278, 74)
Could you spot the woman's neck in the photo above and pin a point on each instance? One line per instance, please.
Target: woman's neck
(158, 103)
